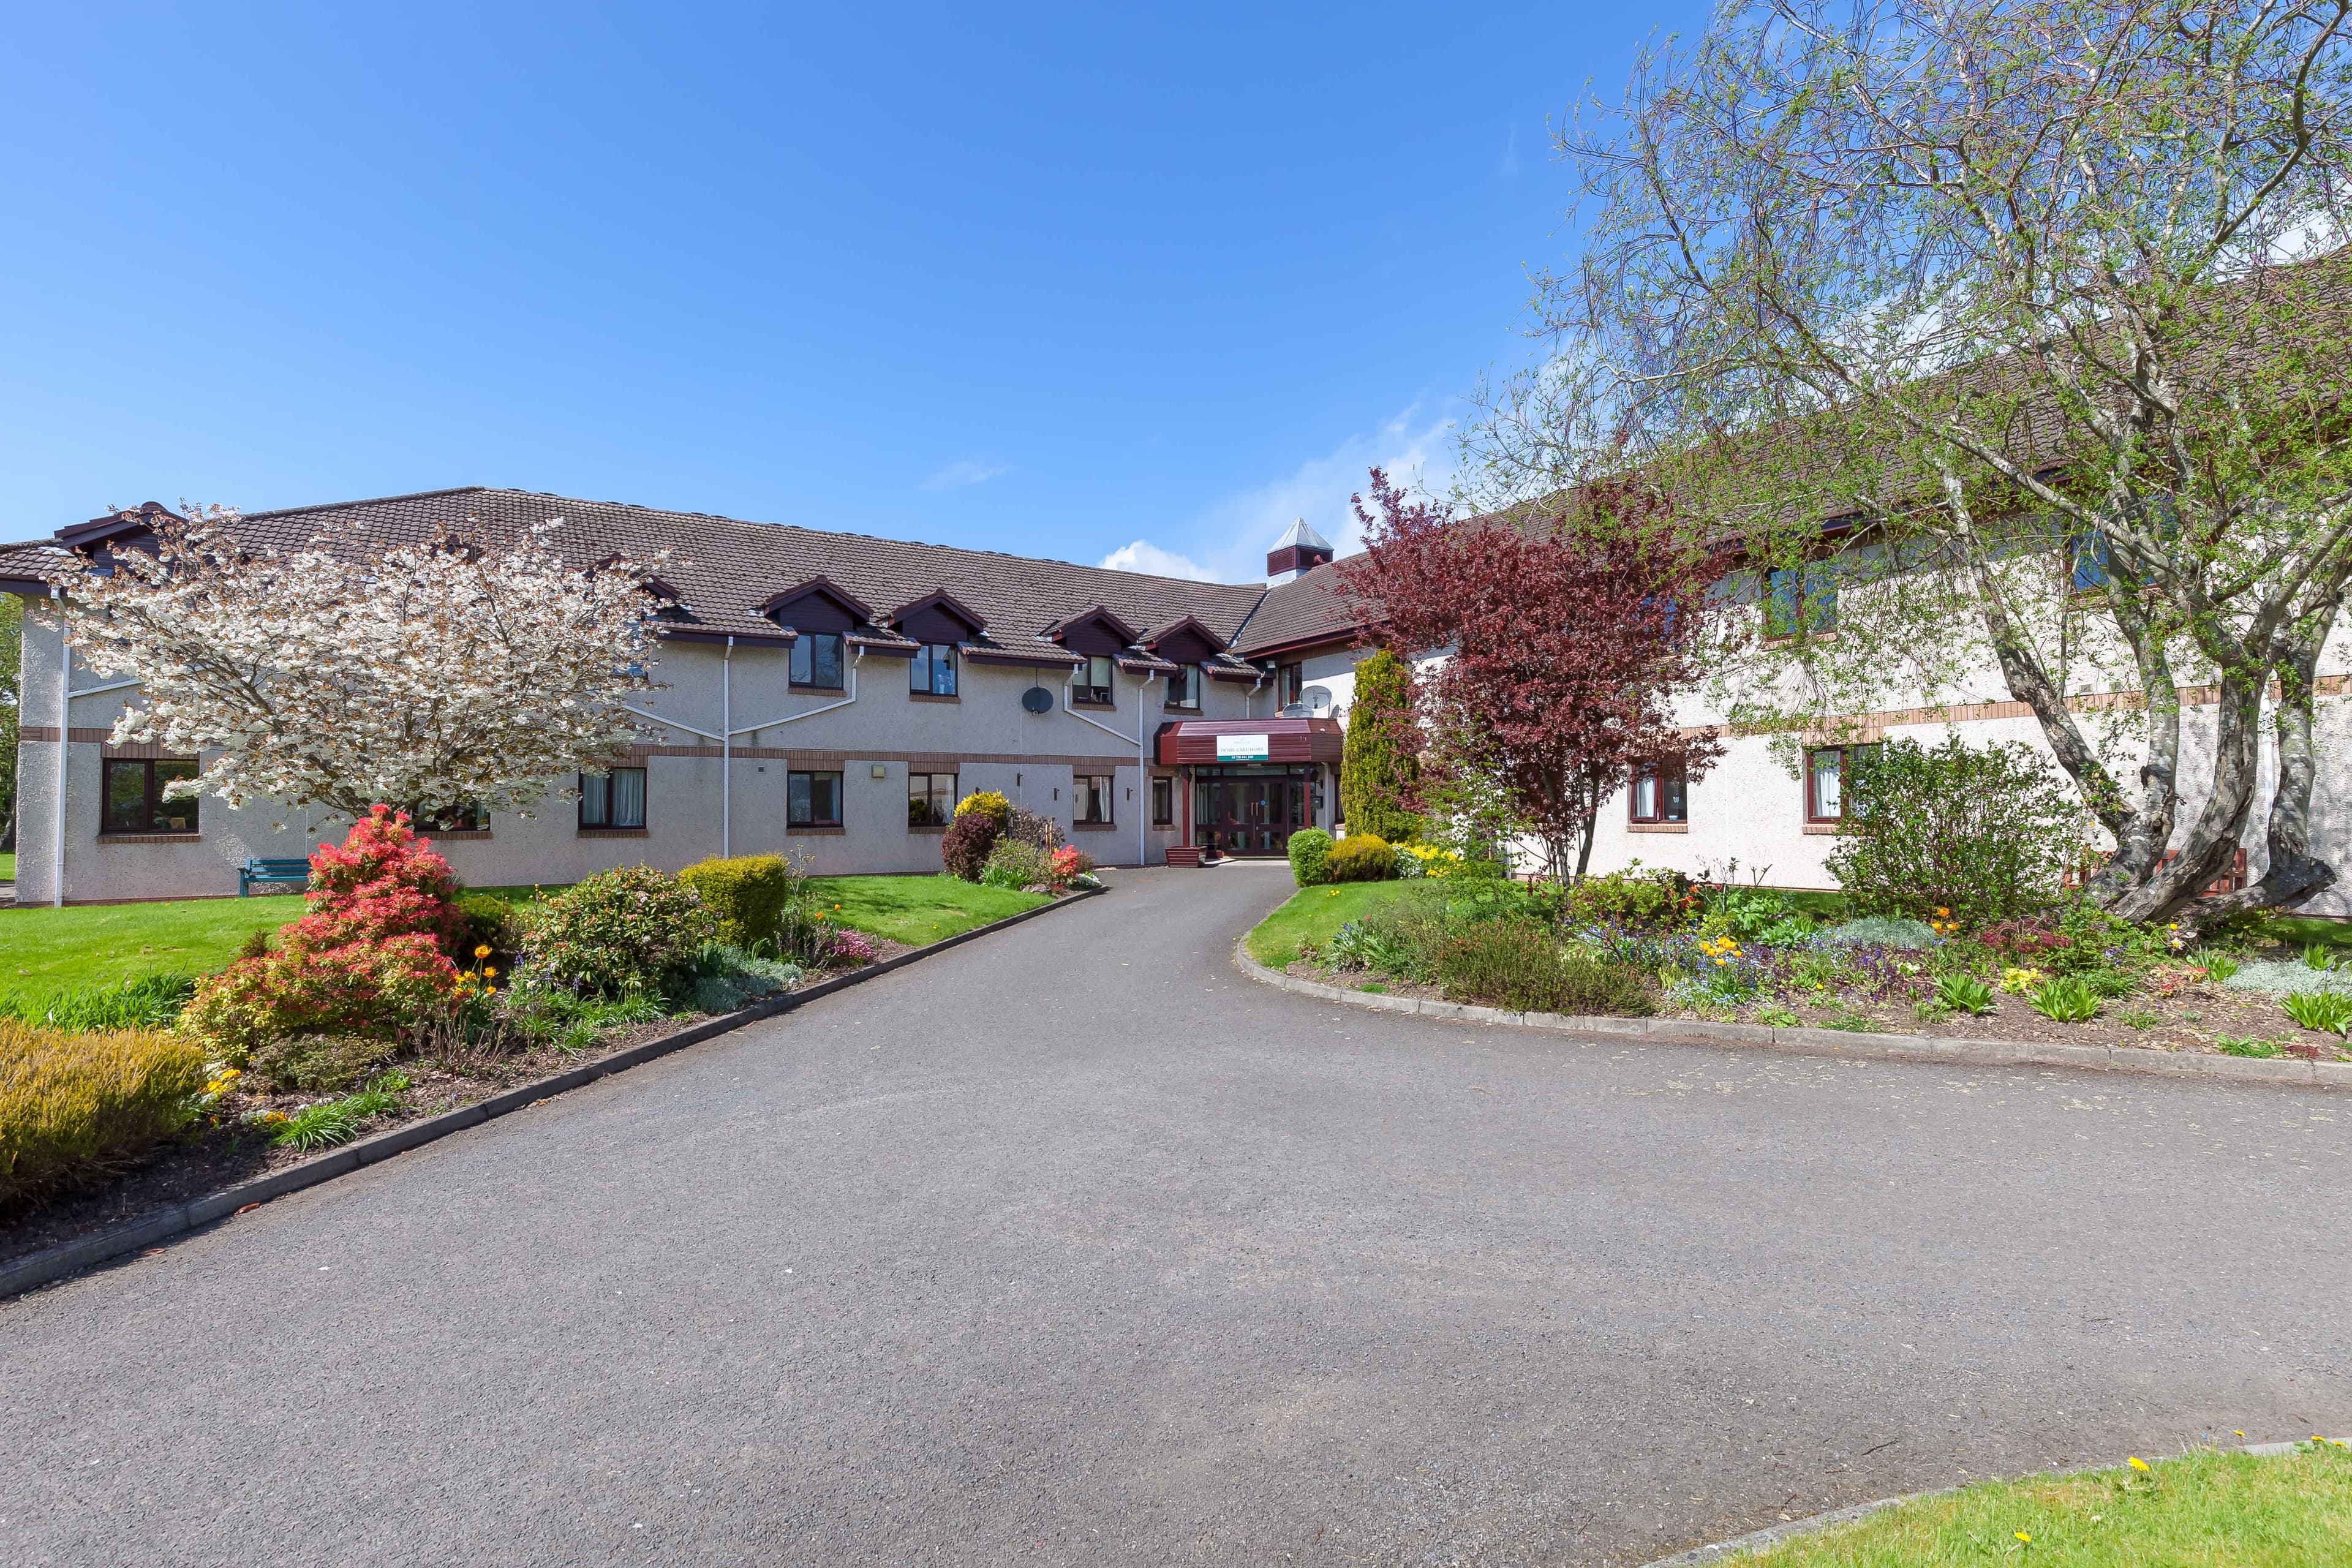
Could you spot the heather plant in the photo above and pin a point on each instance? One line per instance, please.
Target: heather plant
(77, 1107)
(1012, 864)
(1523, 967)
(632, 929)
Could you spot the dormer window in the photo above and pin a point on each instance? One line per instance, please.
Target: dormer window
(1091, 682)
(933, 670)
(816, 660)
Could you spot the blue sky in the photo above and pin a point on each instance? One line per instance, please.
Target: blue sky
(1053, 282)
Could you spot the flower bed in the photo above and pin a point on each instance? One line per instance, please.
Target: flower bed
(1660, 943)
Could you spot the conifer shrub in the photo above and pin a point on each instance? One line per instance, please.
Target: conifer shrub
(1360, 858)
(77, 1106)
(748, 894)
(1377, 771)
(1309, 848)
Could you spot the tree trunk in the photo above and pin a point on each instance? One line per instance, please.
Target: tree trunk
(2294, 874)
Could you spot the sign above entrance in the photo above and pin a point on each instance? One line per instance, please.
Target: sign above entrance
(1241, 748)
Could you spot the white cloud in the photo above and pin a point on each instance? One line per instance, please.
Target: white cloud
(1148, 558)
(955, 476)
(1227, 540)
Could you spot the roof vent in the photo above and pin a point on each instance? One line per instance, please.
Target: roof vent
(1299, 551)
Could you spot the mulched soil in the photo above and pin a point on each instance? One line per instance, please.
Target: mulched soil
(2190, 1020)
(221, 1156)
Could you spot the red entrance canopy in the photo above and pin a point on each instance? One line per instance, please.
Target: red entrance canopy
(1250, 741)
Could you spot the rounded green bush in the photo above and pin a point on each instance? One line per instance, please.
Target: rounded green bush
(631, 929)
(1308, 849)
(1360, 858)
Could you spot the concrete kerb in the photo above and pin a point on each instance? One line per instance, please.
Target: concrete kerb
(1772, 1535)
(1954, 1051)
(73, 1257)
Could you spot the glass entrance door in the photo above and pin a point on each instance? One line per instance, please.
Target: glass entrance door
(1249, 814)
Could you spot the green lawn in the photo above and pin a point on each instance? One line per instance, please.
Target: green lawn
(97, 944)
(2202, 1511)
(917, 910)
(8, 866)
(1313, 914)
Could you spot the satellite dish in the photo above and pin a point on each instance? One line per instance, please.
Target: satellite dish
(1037, 699)
(1316, 699)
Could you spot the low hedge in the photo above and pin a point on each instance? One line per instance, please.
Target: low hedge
(749, 893)
(1309, 848)
(75, 1108)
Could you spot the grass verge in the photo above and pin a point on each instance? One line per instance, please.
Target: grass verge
(81, 945)
(2203, 1509)
(915, 910)
(1313, 914)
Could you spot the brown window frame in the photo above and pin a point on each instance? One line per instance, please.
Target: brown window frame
(1190, 702)
(1163, 801)
(607, 777)
(1671, 781)
(930, 793)
(1082, 796)
(1845, 780)
(1083, 689)
(805, 644)
(151, 803)
(813, 819)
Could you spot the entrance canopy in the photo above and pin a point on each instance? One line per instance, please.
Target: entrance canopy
(1212, 740)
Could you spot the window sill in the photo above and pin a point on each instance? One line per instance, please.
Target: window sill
(934, 697)
(612, 833)
(1092, 826)
(439, 835)
(1080, 702)
(1824, 829)
(815, 830)
(1179, 708)
(150, 838)
(817, 690)
(925, 827)
(1657, 827)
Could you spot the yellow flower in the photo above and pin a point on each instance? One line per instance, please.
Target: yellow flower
(2138, 1462)
(2025, 1538)
(483, 950)
(488, 970)
(230, 1073)
(1942, 914)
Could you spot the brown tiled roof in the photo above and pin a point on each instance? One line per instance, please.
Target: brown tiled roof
(723, 567)
(1307, 610)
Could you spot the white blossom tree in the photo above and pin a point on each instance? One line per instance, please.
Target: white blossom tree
(438, 678)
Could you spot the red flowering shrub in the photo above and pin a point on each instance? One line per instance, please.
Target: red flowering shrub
(1071, 861)
(382, 881)
(366, 958)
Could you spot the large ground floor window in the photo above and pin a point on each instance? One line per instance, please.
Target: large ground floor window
(134, 795)
(1091, 793)
(813, 800)
(616, 799)
(931, 799)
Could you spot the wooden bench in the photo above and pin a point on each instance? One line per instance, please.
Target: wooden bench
(265, 872)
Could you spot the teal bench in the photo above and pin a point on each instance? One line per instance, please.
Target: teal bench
(260, 872)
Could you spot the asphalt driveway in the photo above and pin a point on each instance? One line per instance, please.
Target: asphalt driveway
(1074, 1246)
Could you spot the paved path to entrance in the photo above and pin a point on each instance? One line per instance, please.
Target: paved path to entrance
(1073, 1246)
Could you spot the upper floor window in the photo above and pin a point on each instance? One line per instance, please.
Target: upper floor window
(1289, 682)
(1830, 774)
(816, 659)
(934, 671)
(1184, 686)
(616, 799)
(1092, 793)
(1801, 599)
(813, 800)
(134, 795)
(931, 799)
(2090, 569)
(1659, 794)
(1090, 682)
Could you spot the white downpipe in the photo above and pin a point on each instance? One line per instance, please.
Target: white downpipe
(1142, 775)
(65, 730)
(857, 657)
(726, 747)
